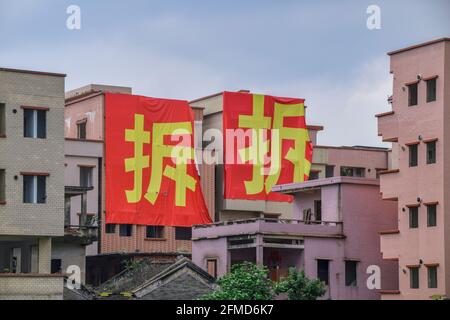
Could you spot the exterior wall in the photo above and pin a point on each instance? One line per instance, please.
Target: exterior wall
(426, 181)
(19, 154)
(90, 109)
(202, 250)
(71, 254)
(33, 287)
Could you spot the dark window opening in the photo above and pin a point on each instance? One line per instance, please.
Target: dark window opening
(414, 277)
(155, 232)
(56, 266)
(431, 90)
(34, 189)
(110, 228)
(2, 119)
(34, 124)
(323, 273)
(431, 152)
(353, 172)
(412, 94)
(432, 215)
(2, 185)
(183, 233)
(318, 210)
(413, 155)
(313, 175)
(329, 171)
(414, 217)
(81, 130)
(351, 273)
(86, 174)
(126, 230)
(432, 277)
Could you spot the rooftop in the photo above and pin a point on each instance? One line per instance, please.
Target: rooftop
(41, 73)
(418, 45)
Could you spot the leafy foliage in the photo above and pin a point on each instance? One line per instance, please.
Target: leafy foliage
(246, 281)
(298, 286)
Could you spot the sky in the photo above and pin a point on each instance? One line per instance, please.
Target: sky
(321, 51)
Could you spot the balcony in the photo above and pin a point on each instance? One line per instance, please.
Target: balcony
(388, 126)
(276, 227)
(390, 184)
(31, 286)
(85, 230)
(389, 244)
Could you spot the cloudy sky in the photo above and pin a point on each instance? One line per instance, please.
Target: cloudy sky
(318, 50)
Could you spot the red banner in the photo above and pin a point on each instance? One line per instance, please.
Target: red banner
(266, 143)
(151, 177)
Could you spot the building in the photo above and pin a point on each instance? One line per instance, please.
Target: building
(31, 182)
(150, 279)
(418, 180)
(84, 132)
(334, 222)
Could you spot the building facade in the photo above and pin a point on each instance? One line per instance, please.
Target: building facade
(418, 179)
(31, 182)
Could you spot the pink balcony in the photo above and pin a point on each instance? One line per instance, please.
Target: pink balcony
(388, 126)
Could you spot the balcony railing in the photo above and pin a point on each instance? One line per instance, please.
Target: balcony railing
(269, 226)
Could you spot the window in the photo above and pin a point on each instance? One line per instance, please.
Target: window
(313, 175)
(183, 233)
(432, 277)
(318, 210)
(323, 273)
(412, 94)
(353, 172)
(350, 273)
(431, 215)
(414, 217)
(155, 232)
(86, 177)
(413, 155)
(329, 171)
(110, 228)
(2, 120)
(211, 267)
(2, 186)
(431, 152)
(414, 277)
(56, 266)
(34, 123)
(126, 230)
(81, 129)
(34, 189)
(431, 90)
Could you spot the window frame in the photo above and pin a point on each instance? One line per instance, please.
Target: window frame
(411, 157)
(110, 225)
(411, 102)
(38, 180)
(414, 276)
(39, 122)
(429, 206)
(215, 262)
(2, 186)
(159, 232)
(82, 134)
(433, 159)
(353, 280)
(432, 278)
(90, 176)
(125, 233)
(321, 274)
(2, 120)
(413, 211)
(179, 236)
(431, 98)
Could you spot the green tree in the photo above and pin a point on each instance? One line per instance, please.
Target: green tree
(298, 286)
(246, 281)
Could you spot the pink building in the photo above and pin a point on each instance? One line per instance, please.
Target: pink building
(418, 180)
(332, 233)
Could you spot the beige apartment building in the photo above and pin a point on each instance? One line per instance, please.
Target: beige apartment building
(418, 179)
(31, 182)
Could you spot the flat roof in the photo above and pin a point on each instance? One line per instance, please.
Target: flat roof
(41, 73)
(418, 45)
(317, 184)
